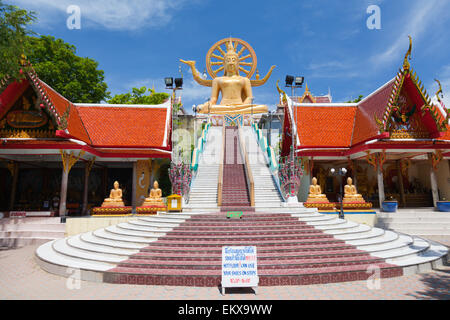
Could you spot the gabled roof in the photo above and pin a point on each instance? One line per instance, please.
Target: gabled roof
(142, 130)
(375, 103)
(125, 126)
(324, 126)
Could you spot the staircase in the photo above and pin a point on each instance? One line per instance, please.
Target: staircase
(203, 194)
(425, 223)
(19, 232)
(293, 249)
(267, 196)
(235, 190)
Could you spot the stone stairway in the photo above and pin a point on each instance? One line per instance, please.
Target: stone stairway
(422, 222)
(267, 195)
(19, 232)
(203, 194)
(293, 249)
(235, 190)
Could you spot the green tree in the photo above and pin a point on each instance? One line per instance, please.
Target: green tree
(360, 97)
(76, 78)
(14, 24)
(138, 96)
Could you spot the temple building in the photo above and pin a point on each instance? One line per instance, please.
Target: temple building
(54, 150)
(395, 143)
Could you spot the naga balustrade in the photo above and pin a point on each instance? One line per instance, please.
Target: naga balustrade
(290, 172)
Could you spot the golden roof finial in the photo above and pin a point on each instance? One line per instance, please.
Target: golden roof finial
(408, 54)
(439, 91)
(306, 87)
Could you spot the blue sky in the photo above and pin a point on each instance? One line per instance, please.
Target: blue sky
(140, 42)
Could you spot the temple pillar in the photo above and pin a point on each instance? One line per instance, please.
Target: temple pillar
(68, 160)
(87, 170)
(380, 185)
(14, 169)
(63, 192)
(134, 187)
(400, 183)
(434, 187)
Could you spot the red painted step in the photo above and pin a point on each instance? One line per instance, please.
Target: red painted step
(290, 252)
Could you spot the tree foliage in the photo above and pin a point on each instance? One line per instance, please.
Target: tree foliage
(360, 97)
(138, 96)
(76, 78)
(14, 24)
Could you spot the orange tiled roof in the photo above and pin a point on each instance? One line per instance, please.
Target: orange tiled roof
(325, 126)
(124, 126)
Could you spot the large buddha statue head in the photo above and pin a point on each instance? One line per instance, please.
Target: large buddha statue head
(231, 61)
(314, 181)
(349, 181)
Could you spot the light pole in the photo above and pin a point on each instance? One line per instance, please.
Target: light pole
(169, 82)
(294, 82)
(269, 139)
(341, 173)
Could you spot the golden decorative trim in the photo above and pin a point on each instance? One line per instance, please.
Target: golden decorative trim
(400, 134)
(26, 133)
(435, 158)
(12, 167)
(70, 159)
(90, 164)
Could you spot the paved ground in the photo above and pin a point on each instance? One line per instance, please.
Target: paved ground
(22, 278)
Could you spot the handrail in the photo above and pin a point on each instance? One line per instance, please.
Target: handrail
(222, 155)
(274, 167)
(248, 170)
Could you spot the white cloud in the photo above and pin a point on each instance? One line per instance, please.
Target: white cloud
(416, 23)
(108, 14)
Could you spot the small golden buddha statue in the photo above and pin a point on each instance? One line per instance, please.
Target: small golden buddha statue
(236, 90)
(315, 192)
(155, 197)
(115, 197)
(350, 194)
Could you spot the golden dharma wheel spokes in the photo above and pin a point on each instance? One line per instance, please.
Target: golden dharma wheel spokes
(216, 56)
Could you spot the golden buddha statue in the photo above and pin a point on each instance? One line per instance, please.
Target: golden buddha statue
(115, 197)
(350, 194)
(155, 197)
(236, 90)
(315, 193)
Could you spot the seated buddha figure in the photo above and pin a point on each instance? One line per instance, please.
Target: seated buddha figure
(315, 193)
(350, 194)
(236, 90)
(155, 197)
(115, 197)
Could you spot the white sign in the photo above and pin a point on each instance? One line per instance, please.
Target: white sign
(174, 203)
(239, 267)
(17, 214)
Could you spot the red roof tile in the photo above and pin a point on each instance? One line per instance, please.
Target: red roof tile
(365, 126)
(75, 126)
(325, 126)
(124, 126)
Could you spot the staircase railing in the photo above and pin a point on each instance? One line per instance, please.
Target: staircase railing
(269, 155)
(220, 180)
(248, 170)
